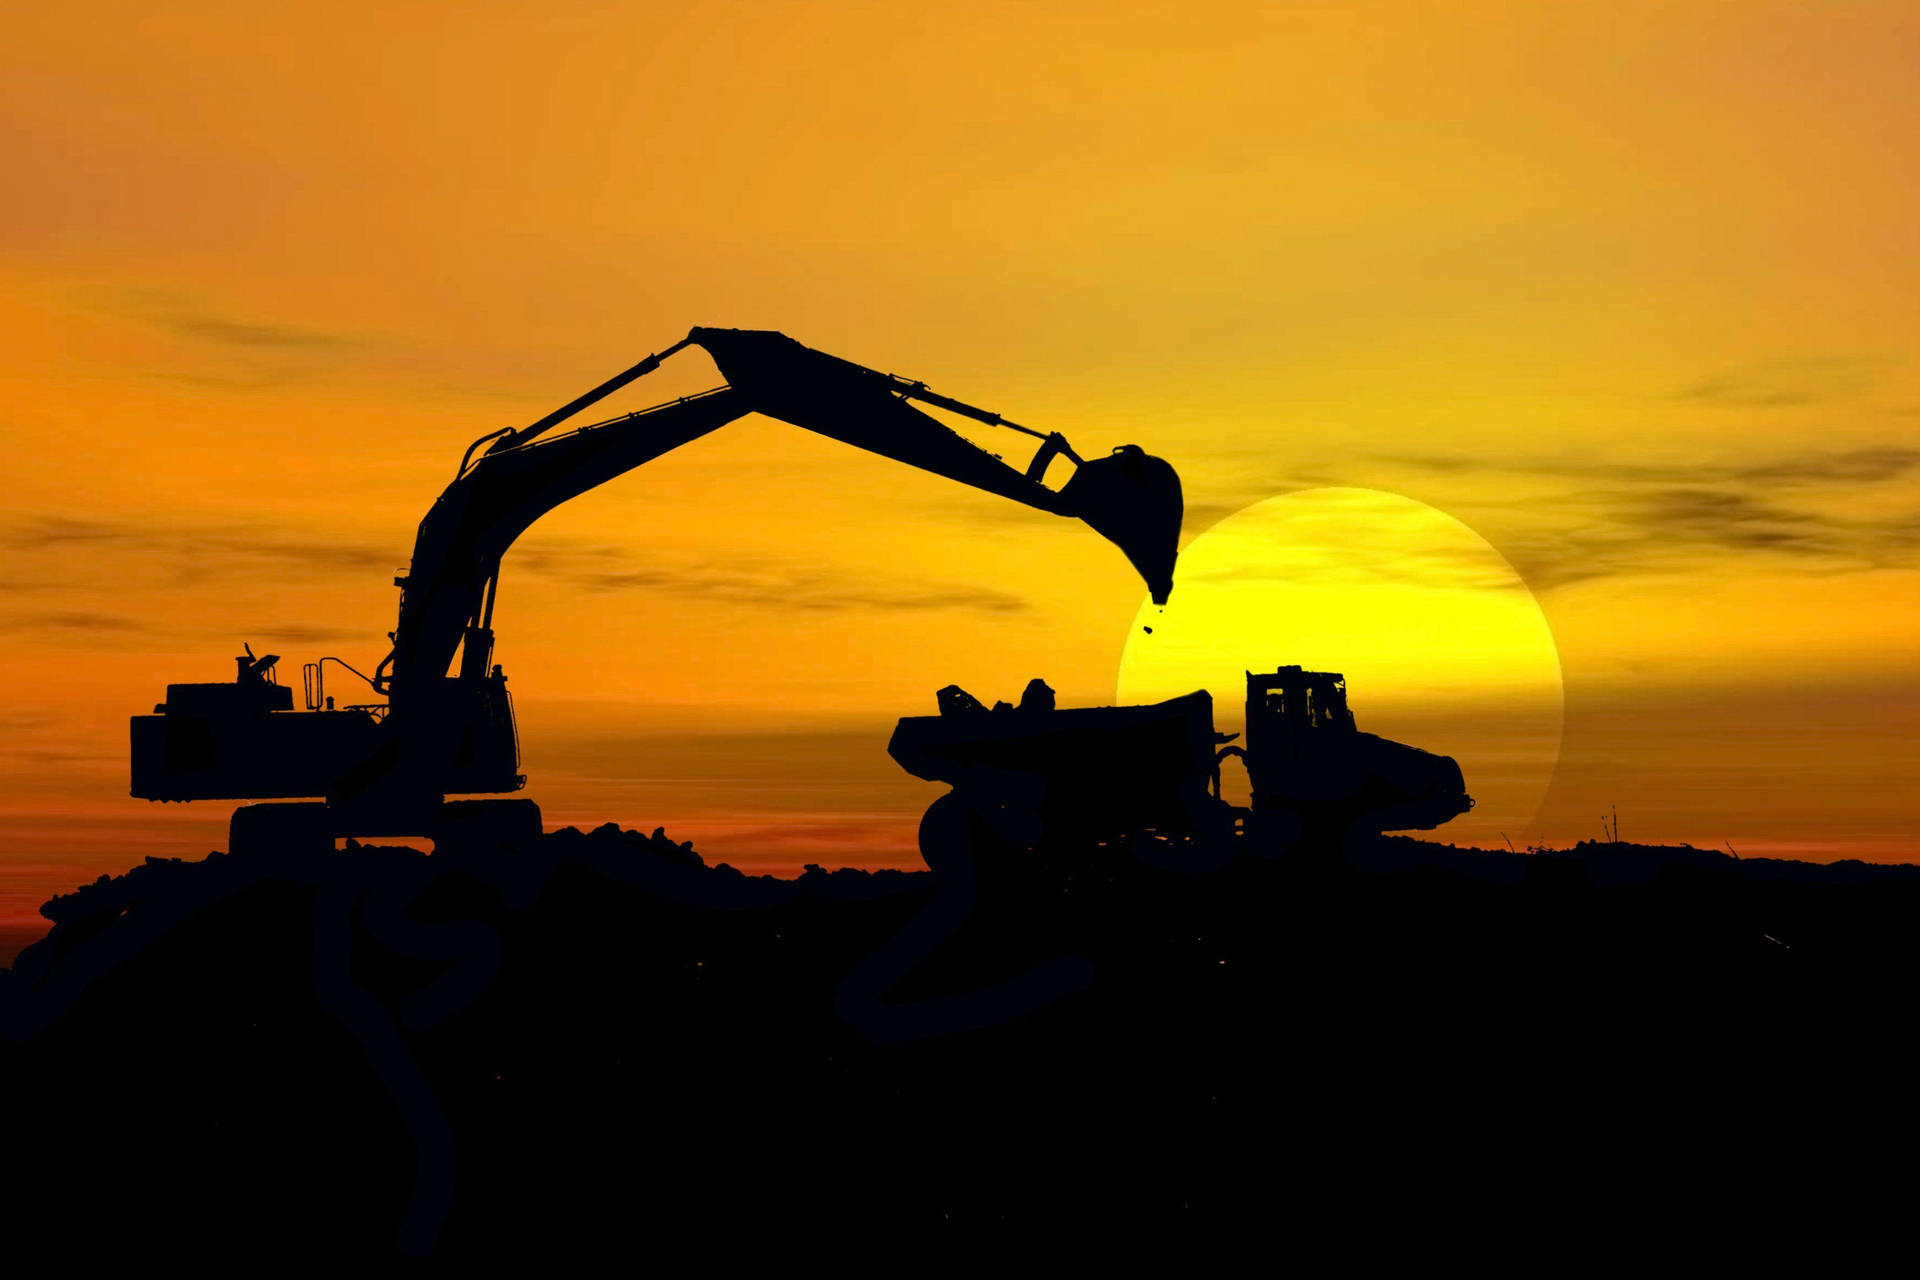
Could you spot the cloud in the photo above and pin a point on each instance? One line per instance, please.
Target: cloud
(191, 554)
(77, 628)
(1854, 466)
(308, 635)
(70, 576)
(78, 621)
(1567, 521)
(1867, 465)
(1719, 517)
(1687, 531)
(220, 351)
(1789, 383)
(779, 585)
(1815, 512)
(1313, 544)
(184, 316)
(53, 531)
(185, 555)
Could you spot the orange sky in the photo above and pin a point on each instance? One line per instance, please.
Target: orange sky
(1627, 289)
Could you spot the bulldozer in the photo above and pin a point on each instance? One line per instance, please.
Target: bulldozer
(431, 751)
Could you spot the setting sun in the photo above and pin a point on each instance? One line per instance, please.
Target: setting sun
(1442, 644)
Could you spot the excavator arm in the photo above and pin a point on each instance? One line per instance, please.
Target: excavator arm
(518, 476)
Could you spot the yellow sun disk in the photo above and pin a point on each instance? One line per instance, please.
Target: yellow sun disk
(1442, 643)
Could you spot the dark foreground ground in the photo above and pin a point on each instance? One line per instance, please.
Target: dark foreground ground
(604, 1047)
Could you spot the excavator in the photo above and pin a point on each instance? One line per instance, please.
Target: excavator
(443, 725)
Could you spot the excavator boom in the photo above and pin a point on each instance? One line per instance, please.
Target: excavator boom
(1130, 498)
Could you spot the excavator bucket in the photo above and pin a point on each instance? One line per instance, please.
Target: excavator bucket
(1130, 498)
(1133, 500)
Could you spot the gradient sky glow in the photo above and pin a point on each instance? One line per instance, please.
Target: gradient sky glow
(1627, 289)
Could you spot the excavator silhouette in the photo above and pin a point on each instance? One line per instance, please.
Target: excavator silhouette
(387, 768)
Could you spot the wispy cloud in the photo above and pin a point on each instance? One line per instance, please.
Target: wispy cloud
(1563, 521)
(70, 576)
(220, 350)
(294, 634)
(186, 316)
(1815, 513)
(23, 721)
(76, 628)
(1789, 383)
(770, 584)
(1314, 545)
(1720, 517)
(65, 554)
(1853, 466)
(192, 554)
(1867, 465)
(1559, 521)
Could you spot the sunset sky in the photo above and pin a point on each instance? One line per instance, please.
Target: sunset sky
(1629, 291)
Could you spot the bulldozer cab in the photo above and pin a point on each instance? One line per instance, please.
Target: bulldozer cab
(1284, 708)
